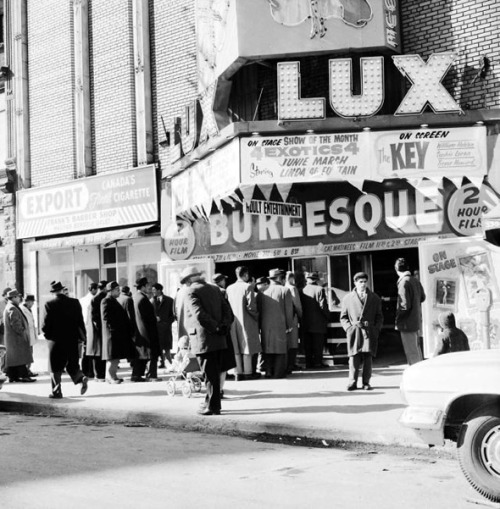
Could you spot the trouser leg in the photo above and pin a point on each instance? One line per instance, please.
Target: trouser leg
(138, 367)
(239, 364)
(280, 365)
(87, 366)
(112, 369)
(292, 359)
(55, 383)
(318, 345)
(222, 380)
(99, 367)
(410, 345)
(309, 349)
(269, 364)
(247, 364)
(73, 365)
(354, 363)
(210, 365)
(367, 368)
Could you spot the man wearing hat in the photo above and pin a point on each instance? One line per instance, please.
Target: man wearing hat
(208, 318)
(315, 316)
(362, 319)
(25, 307)
(94, 340)
(180, 299)
(245, 327)
(63, 327)
(146, 335)
(85, 302)
(276, 321)
(165, 316)
(17, 340)
(116, 333)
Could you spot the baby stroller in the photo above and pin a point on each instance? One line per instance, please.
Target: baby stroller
(188, 369)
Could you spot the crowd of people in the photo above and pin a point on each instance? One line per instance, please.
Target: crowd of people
(252, 327)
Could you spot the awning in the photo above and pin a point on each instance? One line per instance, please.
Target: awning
(105, 237)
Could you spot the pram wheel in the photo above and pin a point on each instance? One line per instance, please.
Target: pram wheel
(171, 388)
(186, 389)
(196, 383)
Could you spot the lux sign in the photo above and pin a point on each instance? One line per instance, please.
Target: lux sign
(426, 88)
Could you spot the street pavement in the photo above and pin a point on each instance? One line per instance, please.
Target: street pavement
(307, 404)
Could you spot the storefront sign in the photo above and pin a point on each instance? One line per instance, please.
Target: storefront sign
(336, 215)
(109, 201)
(272, 208)
(305, 158)
(446, 152)
(178, 242)
(215, 176)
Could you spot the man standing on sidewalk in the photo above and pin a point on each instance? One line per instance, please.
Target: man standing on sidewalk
(315, 315)
(362, 319)
(86, 303)
(408, 310)
(245, 328)
(208, 318)
(94, 342)
(165, 316)
(63, 326)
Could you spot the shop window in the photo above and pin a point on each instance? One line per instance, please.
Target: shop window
(109, 255)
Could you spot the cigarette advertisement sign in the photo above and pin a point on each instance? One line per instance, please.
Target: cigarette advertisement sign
(445, 152)
(338, 217)
(116, 199)
(461, 276)
(305, 158)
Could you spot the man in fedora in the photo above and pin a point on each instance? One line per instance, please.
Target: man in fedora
(361, 317)
(94, 340)
(146, 335)
(63, 326)
(208, 318)
(17, 340)
(276, 321)
(165, 316)
(180, 299)
(315, 315)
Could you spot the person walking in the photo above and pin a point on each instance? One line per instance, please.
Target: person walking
(94, 341)
(25, 307)
(62, 326)
(362, 319)
(408, 310)
(17, 340)
(276, 308)
(146, 335)
(86, 303)
(208, 317)
(165, 316)
(245, 328)
(293, 337)
(315, 315)
(117, 333)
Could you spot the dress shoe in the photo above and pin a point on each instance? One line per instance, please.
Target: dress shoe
(352, 387)
(26, 380)
(240, 377)
(56, 395)
(137, 379)
(114, 380)
(85, 385)
(256, 376)
(367, 387)
(30, 373)
(207, 411)
(162, 365)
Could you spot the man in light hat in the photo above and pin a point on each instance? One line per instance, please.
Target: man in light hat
(146, 335)
(245, 327)
(180, 299)
(362, 319)
(17, 340)
(276, 313)
(25, 307)
(208, 318)
(63, 326)
(315, 316)
(116, 333)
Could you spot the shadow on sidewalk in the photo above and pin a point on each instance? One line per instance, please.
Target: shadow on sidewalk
(334, 409)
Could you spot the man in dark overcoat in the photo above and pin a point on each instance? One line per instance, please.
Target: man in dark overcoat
(362, 319)
(315, 315)
(146, 335)
(208, 318)
(116, 333)
(165, 316)
(63, 327)
(94, 342)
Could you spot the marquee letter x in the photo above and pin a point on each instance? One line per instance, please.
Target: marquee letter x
(426, 81)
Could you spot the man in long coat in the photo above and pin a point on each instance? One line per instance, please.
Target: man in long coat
(17, 340)
(63, 327)
(146, 335)
(208, 317)
(315, 315)
(293, 337)
(94, 341)
(85, 302)
(245, 328)
(165, 316)
(362, 319)
(116, 333)
(276, 308)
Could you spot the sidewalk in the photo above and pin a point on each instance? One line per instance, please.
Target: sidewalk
(313, 404)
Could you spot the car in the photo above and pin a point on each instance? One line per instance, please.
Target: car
(456, 397)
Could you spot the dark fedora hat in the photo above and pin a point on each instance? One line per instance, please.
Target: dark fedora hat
(56, 286)
(111, 286)
(218, 277)
(262, 281)
(142, 281)
(312, 275)
(13, 293)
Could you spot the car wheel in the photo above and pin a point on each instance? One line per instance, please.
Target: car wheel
(479, 454)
